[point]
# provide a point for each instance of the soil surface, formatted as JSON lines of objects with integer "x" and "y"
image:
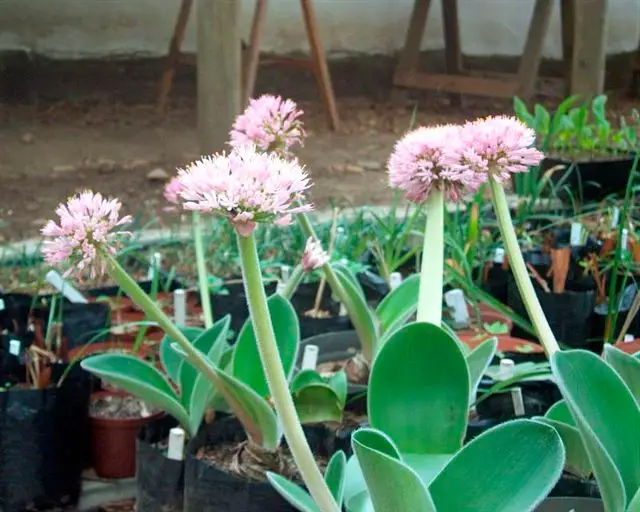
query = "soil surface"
{"x": 93, "y": 124}
{"x": 120, "y": 407}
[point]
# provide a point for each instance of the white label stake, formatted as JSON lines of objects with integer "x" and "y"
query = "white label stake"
{"x": 14, "y": 347}
{"x": 64, "y": 287}
{"x": 154, "y": 265}
{"x": 285, "y": 272}
{"x": 176, "y": 444}
{"x": 498, "y": 255}
{"x": 395, "y": 280}
{"x": 455, "y": 300}
{"x": 518, "y": 402}
{"x": 507, "y": 369}
{"x": 576, "y": 234}
{"x": 180, "y": 307}
{"x": 615, "y": 217}
{"x": 310, "y": 357}
{"x": 628, "y": 338}
{"x": 624, "y": 239}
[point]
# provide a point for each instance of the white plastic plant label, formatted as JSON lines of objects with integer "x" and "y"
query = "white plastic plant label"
{"x": 615, "y": 217}
{"x": 310, "y": 357}
{"x": 498, "y": 255}
{"x": 576, "y": 234}
{"x": 624, "y": 239}
{"x": 180, "y": 307}
{"x": 64, "y": 287}
{"x": 507, "y": 369}
{"x": 517, "y": 401}
{"x": 14, "y": 347}
{"x": 459, "y": 311}
{"x": 285, "y": 272}
{"x": 280, "y": 287}
{"x": 628, "y": 338}
{"x": 395, "y": 280}
{"x": 175, "y": 451}
{"x": 343, "y": 310}
{"x": 155, "y": 263}
{"x": 2, "y": 305}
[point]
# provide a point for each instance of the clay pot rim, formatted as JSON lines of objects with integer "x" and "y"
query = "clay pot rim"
{"x": 114, "y": 423}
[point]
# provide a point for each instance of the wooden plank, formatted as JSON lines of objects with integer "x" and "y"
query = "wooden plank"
{"x": 460, "y": 84}
{"x": 252, "y": 60}
{"x": 410, "y": 54}
{"x": 219, "y": 75}
{"x": 452, "y": 43}
{"x": 567, "y": 16}
{"x": 532, "y": 55}
{"x": 589, "y": 48}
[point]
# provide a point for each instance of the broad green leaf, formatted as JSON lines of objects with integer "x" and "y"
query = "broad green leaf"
{"x": 360, "y": 314}
{"x": 607, "y": 416}
{"x": 520, "y": 108}
{"x": 316, "y": 403}
{"x": 392, "y": 485}
{"x": 348, "y": 274}
{"x": 339, "y": 383}
{"x": 171, "y": 360}
{"x": 139, "y": 378}
{"x": 399, "y": 304}
{"x": 419, "y": 390}
{"x": 305, "y": 378}
{"x": 512, "y": 467}
{"x": 293, "y": 493}
{"x": 246, "y": 363}
{"x": 634, "y": 504}
{"x": 478, "y": 361}
{"x": 627, "y": 367}
{"x": 577, "y": 459}
{"x": 334, "y": 476}
{"x": 560, "y": 412}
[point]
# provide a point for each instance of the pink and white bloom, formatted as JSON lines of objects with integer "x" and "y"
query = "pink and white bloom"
{"x": 246, "y": 186}
{"x": 314, "y": 255}
{"x": 87, "y": 227}
{"x": 271, "y": 123}
{"x": 172, "y": 190}
{"x": 419, "y": 162}
{"x": 497, "y": 146}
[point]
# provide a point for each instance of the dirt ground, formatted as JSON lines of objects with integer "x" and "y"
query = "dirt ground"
{"x": 75, "y": 125}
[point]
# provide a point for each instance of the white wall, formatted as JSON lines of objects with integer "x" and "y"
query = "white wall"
{"x": 95, "y": 28}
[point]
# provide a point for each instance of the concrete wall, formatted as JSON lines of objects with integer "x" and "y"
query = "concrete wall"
{"x": 97, "y": 28}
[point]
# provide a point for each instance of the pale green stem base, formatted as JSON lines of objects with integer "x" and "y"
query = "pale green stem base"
{"x": 293, "y": 282}
{"x": 519, "y": 269}
{"x": 276, "y": 378}
{"x": 203, "y": 281}
{"x": 432, "y": 270}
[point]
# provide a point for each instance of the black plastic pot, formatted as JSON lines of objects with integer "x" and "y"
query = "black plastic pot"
{"x": 146, "y": 285}
{"x": 571, "y": 486}
{"x": 610, "y": 175}
{"x": 208, "y": 489}
{"x": 336, "y": 346}
{"x": 496, "y": 283}
{"x": 160, "y": 480}
{"x": 538, "y": 397}
{"x": 304, "y": 300}
{"x": 568, "y": 313}
{"x": 571, "y": 505}
{"x": 374, "y": 286}
{"x": 43, "y": 445}
{"x": 14, "y": 313}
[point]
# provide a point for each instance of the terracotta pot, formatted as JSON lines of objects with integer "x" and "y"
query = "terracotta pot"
{"x": 630, "y": 347}
{"x": 107, "y": 346}
{"x": 507, "y": 344}
{"x": 113, "y": 441}
{"x": 489, "y": 315}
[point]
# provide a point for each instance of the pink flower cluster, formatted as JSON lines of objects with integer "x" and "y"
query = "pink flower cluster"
{"x": 87, "y": 224}
{"x": 458, "y": 159}
{"x": 271, "y": 123}
{"x": 314, "y": 255}
{"x": 247, "y": 186}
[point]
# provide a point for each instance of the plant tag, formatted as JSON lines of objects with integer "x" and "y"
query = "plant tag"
{"x": 180, "y": 307}
{"x": 628, "y": 338}
{"x": 285, "y": 272}
{"x": 64, "y": 287}
{"x": 14, "y": 347}
{"x": 507, "y": 369}
{"x": 310, "y": 357}
{"x": 280, "y": 287}
{"x": 395, "y": 280}
{"x": 1, "y": 304}
{"x": 517, "y": 401}
{"x": 615, "y": 217}
{"x": 498, "y": 255}
{"x": 455, "y": 300}
{"x": 576, "y": 234}
{"x": 154, "y": 264}
{"x": 624, "y": 239}
{"x": 175, "y": 451}
{"x": 343, "y": 310}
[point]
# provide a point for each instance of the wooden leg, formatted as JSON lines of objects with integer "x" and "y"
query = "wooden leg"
{"x": 252, "y": 60}
{"x": 411, "y": 50}
{"x": 567, "y": 15}
{"x": 321, "y": 68}
{"x": 532, "y": 55}
{"x": 588, "y": 66}
{"x": 452, "y": 44}
{"x": 173, "y": 59}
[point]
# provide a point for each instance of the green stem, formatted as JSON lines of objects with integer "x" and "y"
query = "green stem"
{"x": 203, "y": 281}
{"x": 276, "y": 378}
{"x": 432, "y": 270}
{"x": 293, "y": 282}
{"x": 519, "y": 269}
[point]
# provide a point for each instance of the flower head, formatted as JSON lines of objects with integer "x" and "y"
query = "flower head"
{"x": 418, "y": 163}
{"x": 496, "y": 146}
{"x": 86, "y": 228}
{"x": 172, "y": 190}
{"x": 269, "y": 122}
{"x": 314, "y": 255}
{"x": 246, "y": 186}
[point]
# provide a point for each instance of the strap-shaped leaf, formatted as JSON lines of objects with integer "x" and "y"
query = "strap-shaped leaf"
{"x": 398, "y": 306}
{"x": 511, "y": 467}
{"x": 419, "y": 390}
{"x": 139, "y": 378}
{"x": 318, "y": 399}
{"x": 169, "y": 358}
{"x": 478, "y": 360}
{"x": 360, "y": 315}
{"x": 246, "y": 364}
{"x": 627, "y": 366}
{"x": 334, "y": 476}
{"x": 577, "y": 458}
{"x": 560, "y": 412}
{"x": 348, "y": 273}
{"x": 607, "y": 416}
{"x": 392, "y": 485}
{"x": 293, "y": 493}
